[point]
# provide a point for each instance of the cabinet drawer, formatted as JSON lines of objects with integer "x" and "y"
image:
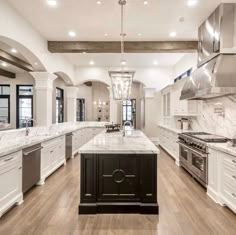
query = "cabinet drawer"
{"x": 229, "y": 190}
{"x": 54, "y": 142}
{"x": 10, "y": 159}
{"x": 229, "y": 162}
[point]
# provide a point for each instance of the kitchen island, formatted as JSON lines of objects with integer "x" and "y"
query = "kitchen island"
{"x": 118, "y": 174}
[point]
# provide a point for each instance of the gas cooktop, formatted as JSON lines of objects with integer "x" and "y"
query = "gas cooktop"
{"x": 206, "y": 137}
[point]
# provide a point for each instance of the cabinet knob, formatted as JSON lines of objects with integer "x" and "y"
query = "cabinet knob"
{"x": 20, "y": 168}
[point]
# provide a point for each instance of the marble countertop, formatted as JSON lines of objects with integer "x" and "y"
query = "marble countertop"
{"x": 175, "y": 130}
{"x": 135, "y": 142}
{"x": 223, "y": 147}
{"x": 20, "y": 142}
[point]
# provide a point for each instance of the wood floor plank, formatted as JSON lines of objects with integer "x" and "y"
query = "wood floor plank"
{"x": 184, "y": 209}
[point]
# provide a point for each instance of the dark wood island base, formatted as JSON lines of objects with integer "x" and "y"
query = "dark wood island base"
{"x": 118, "y": 183}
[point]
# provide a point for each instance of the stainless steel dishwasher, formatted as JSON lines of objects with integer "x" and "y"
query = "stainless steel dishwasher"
{"x": 69, "y": 145}
{"x": 31, "y": 166}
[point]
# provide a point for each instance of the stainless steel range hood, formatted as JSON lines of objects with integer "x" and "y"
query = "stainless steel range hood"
{"x": 213, "y": 79}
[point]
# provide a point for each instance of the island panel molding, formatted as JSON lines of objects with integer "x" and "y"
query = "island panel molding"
{"x": 10, "y": 59}
{"x": 129, "y": 47}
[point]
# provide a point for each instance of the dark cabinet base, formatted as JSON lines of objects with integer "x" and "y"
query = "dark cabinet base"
{"x": 118, "y": 183}
{"x": 119, "y": 208}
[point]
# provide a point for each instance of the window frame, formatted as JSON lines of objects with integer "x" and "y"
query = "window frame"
{"x": 8, "y": 97}
{"x": 133, "y": 119}
{"x": 18, "y": 97}
{"x": 81, "y": 116}
{"x": 61, "y": 98}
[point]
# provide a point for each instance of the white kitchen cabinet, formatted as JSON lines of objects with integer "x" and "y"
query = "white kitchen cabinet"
{"x": 183, "y": 107}
{"x": 82, "y": 136}
{"x": 52, "y": 157}
{"x": 168, "y": 140}
{"x": 166, "y": 101}
{"x": 10, "y": 181}
{"x": 222, "y": 178}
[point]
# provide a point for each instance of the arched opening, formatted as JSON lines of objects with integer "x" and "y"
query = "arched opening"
{"x": 68, "y": 81}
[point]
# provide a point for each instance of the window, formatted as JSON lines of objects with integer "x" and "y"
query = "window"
{"x": 129, "y": 111}
{"x": 5, "y": 103}
{"x": 59, "y": 105}
{"x": 185, "y": 74}
{"x": 24, "y": 104}
{"x": 80, "y": 110}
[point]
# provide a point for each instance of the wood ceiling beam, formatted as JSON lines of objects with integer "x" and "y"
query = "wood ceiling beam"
{"x": 7, "y": 74}
{"x": 114, "y": 46}
{"x": 10, "y": 59}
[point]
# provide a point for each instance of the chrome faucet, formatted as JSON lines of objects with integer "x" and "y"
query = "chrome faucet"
{"x": 27, "y": 121}
{"x": 124, "y": 126}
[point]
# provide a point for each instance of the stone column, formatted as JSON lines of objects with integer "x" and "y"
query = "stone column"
{"x": 71, "y": 103}
{"x": 113, "y": 107}
{"x": 43, "y": 97}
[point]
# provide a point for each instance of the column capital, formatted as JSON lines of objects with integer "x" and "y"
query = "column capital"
{"x": 43, "y": 80}
{"x": 72, "y": 91}
{"x": 149, "y": 92}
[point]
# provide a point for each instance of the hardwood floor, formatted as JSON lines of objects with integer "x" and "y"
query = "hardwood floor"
{"x": 184, "y": 209}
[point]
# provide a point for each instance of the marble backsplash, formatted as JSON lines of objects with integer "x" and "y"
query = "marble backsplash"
{"x": 212, "y": 122}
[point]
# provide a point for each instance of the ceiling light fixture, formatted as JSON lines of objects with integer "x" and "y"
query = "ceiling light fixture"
{"x": 145, "y": 2}
{"x": 84, "y": 52}
{"x": 192, "y": 3}
{"x": 52, "y": 3}
{"x": 72, "y": 34}
{"x": 4, "y": 64}
{"x": 99, "y": 2}
{"x": 105, "y": 34}
{"x": 121, "y": 81}
{"x": 91, "y": 62}
{"x": 13, "y": 50}
{"x": 155, "y": 62}
{"x": 173, "y": 34}
{"x": 139, "y": 34}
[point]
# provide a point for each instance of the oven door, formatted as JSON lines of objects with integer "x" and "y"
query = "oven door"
{"x": 198, "y": 165}
{"x": 184, "y": 156}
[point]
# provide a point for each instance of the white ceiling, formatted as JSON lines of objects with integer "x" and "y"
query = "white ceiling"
{"x": 132, "y": 60}
{"x": 91, "y": 21}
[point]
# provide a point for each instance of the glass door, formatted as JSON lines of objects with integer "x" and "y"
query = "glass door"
{"x": 24, "y": 105}
{"x": 80, "y": 110}
{"x": 4, "y": 104}
{"x": 129, "y": 111}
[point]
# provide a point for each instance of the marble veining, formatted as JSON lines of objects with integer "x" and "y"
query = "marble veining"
{"x": 134, "y": 142}
{"x": 211, "y": 122}
{"x": 15, "y": 140}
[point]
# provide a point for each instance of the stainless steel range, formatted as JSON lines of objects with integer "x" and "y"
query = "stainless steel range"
{"x": 193, "y": 153}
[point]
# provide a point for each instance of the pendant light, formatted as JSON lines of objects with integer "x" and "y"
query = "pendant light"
{"x": 121, "y": 81}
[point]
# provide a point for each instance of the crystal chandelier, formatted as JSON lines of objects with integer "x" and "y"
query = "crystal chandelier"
{"x": 121, "y": 81}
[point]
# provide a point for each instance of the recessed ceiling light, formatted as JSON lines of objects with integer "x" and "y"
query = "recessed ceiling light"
{"x": 84, "y": 52}
{"x": 4, "y": 64}
{"x": 145, "y": 2}
{"x": 13, "y": 50}
{"x": 52, "y": 3}
{"x": 91, "y": 62}
{"x": 139, "y": 34}
{"x": 123, "y": 62}
{"x": 35, "y": 63}
{"x": 155, "y": 62}
{"x": 72, "y": 34}
{"x": 173, "y": 34}
{"x": 99, "y": 2}
{"x": 105, "y": 34}
{"x": 192, "y": 3}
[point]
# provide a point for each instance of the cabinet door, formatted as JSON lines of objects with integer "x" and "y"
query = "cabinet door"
{"x": 148, "y": 178}
{"x": 164, "y": 105}
{"x": 168, "y": 104}
{"x": 10, "y": 181}
{"x": 45, "y": 161}
{"x": 88, "y": 178}
{"x": 118, "y": 178}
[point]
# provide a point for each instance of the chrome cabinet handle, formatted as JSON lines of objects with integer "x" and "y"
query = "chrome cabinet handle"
{"x": 20, "y": 168}
{"x": 234, "y": 195}
{"x": 51, "y": 151}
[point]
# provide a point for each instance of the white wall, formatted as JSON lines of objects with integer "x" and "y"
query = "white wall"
{"x": 185, "y": 63}
{"x": 156, "y": 77}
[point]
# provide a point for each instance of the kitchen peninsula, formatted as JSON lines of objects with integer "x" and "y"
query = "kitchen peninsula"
{"x": 119, "y": 174}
